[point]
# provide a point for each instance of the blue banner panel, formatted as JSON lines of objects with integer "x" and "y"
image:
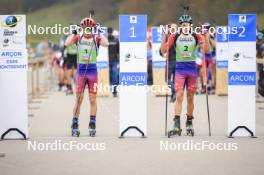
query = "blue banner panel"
{"x": 242, "y": 27}
{"x": 222, "y": 64}
{"x": 133, "y": 78}
{"x": 242, "y": 78}
{"x": 156, "y": 34}
{"x": 133, "y": 28}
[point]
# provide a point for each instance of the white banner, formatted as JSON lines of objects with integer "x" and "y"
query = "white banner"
{"x": 242, "y": 75}
{"x": 11, "y": 42}
{"x": 13, "y": 77}
{"x": 13, "y": 60}
{"x": 133, "y": 74}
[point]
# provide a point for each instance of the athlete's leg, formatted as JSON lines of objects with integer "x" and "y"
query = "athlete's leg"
{"x": 69, "y": 75}
{"x": 60, "y": 77}
{"x": 114, "y": 77}
{"x": 190, "y": 103}
{"x": 179, "y": 99}
{"x": 213, "y": 70}
{"x": 92, "y": 85}
{"x": 179, "y": 88}
{"x": 191, "y": 88}
{"x": 76, "y": 110}
{"x": 80, "y": 86}
{"x": 93, "y": 104}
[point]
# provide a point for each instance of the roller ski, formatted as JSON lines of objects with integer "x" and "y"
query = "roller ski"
{"x": 75, "y": 127}
{"x": 92, "y": 128}
{"x": 189, "y": 127}
{"x": 69, "y": 92}
{"x": 176, "y": 131}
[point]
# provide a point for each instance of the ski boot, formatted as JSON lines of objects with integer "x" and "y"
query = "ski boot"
{"x": 92, "y": 127}
{"x": 173, "y": 98}
{"x": 60, "y": 85}
{"x": 189, "y": 126}
{"x": 75, "y": 127}
{"x": 176, "y": 131}
{"x": 69, "y": 90}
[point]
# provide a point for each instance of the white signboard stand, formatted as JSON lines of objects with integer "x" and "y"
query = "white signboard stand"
{"x": 13, "y": 77}
{"x": 133, "y": 75}
{"x": 242, "y": 75}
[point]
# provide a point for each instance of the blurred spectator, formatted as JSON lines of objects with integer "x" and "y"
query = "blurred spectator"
{"x": 149, "y": 58}
{"x": 260, "y": 67}
{"x": 113, "y": 51}
{"x": 260, "y": 45}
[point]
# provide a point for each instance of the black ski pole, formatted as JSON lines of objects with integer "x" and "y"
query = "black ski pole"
{"x": 167, "y": 82}
{"x": 208, "y": 111}
{"x": 206, "y": 91}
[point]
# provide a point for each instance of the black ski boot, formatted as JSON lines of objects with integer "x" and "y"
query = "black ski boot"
{"x": 173, "y": 98}
{"x": 75, "y": 127}
{"x": 92, "y": 127}
{"x": 69, "y": 90}
{"x": 176, "y": 131}
{"x": 189, "y": 126}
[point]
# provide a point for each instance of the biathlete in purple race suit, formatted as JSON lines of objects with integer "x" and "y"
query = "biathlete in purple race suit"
{"x": 210, "y": 61}
{"x": 184, "y": 44}
{"x": 87, "y": 45}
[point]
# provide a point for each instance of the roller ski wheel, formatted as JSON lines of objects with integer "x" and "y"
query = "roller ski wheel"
{"x": 75, "y": 128}
{"x": 190, "y": 132}
{"x": 92, "y": 129}
{"x": 75, "y": 133}
{"x": 175, "y": 132}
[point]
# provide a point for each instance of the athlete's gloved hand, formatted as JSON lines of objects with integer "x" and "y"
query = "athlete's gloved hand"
{"x": 167, "y": 30}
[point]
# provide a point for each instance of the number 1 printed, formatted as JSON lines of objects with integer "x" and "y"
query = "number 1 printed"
{"x": 133, "y": 32}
